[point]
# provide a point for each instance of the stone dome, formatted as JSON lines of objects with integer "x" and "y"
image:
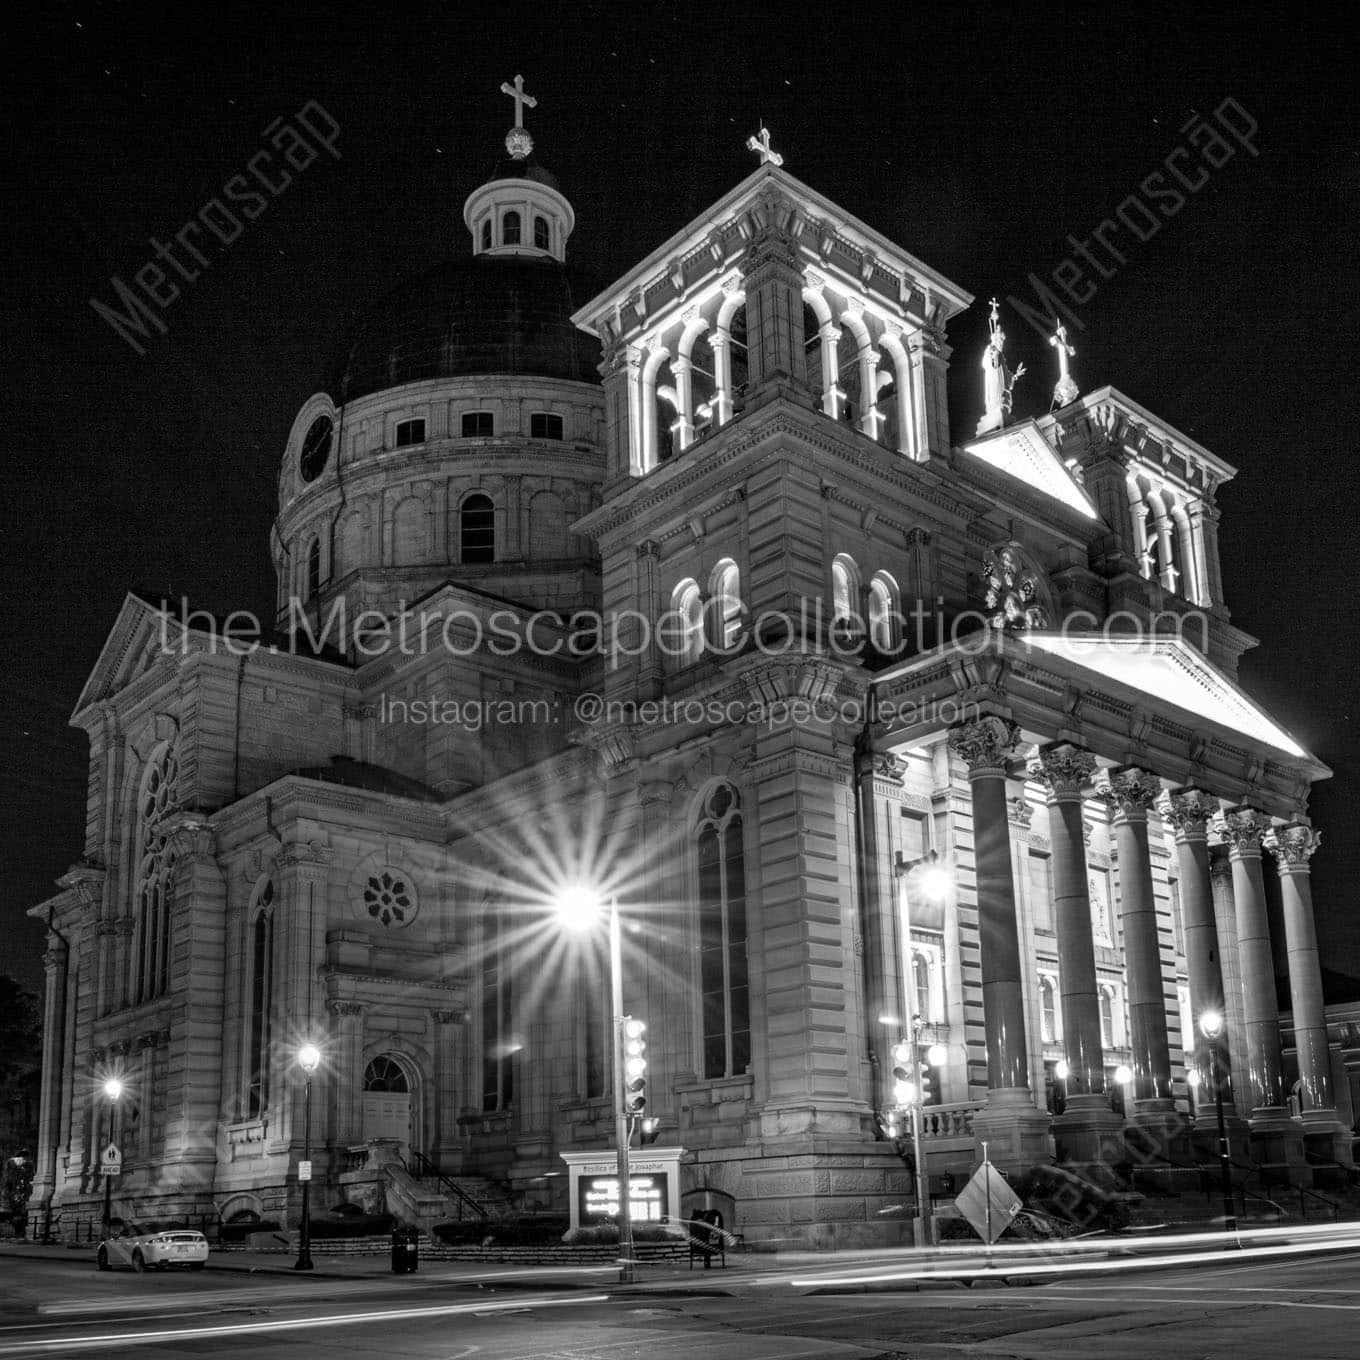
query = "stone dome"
{"x": 489, "y": 313}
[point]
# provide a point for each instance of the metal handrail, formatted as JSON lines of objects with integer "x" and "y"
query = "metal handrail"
{"x": 426, "y": 1169}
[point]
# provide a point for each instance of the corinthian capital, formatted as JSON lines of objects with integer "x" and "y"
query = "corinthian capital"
{"x": 1130, "y": 791}
{"x": 1243, "y": 828}
{"x": 1065, "y": 768}
{"x": 1292, "y": 845}
{"x": 984, "y": 743}
{"x": 1189, "y": 811}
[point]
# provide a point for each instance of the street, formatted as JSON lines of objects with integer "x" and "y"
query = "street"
{"x": 1239, "y": 1309}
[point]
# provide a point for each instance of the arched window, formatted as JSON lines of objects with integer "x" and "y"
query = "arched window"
{"x": 383, "y": 1074}
{"x": 885, "y": 614}
{"x": 498, "y": 1076}
{"x": 725, "y": 602}
{"x": 722, "y": 937}
{"x": 1107, "y": 1036}
{"x": 1048, "y": 1009}
{"x": 845, "y": 602}
{"x": 683, "y": 638}
{"x": 486, "y": 234}
{"x": 155, "y": 868}
{"x": 541, "y": 232}
{"x": 313, "y": 567}
{"x": 510, "y": 229}
{"x": 260, "y": 991}
{"x": 477, "y": 529}
{"x": 920, "y": 986}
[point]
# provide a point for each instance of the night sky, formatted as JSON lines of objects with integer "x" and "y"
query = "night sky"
{"x": 979, "y": 138}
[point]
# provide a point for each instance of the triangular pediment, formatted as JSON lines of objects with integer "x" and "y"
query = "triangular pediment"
{"x": 1022, "y": 452}
{"x": 135, "y": 643}
{"x": 1165, "y": 672}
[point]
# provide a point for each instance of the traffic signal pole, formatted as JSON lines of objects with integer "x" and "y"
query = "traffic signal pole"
{"x": 627, "y": 1257}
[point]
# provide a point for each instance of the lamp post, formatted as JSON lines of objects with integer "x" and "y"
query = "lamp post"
{"x": 934, "y": 884}
{"x": 309, "y": 1059}
{"x": 580, "y": 911}
{"x": 113, "y": 1089}
{"x": 1211, "y": 1024}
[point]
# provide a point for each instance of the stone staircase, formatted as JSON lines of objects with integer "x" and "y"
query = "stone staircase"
{"x": 487, "y": 1195}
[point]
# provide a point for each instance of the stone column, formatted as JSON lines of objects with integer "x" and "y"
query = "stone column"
{"x": 1131, "y": 792}
{"x": 299, "y": 945}
{"x": 49, "y": 1093}
{"x": 878, "y": 780}
{"x": 1189, "y": 812}
{"x": 682, "y": 370}
{"x": 1276, "y": 1138}
{"x": 1233, "y": 1046}
{"x": 774, "y": 313}
{"x": 346, "y": 1063}
{"x": 1011, "y": 1123}
{"x": 929, "y": 400}
{"x": 1293, "y": 846}
{"x": 1083, "y": 1131}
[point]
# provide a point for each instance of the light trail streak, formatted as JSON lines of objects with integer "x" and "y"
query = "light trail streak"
{"x": 151, "y": 1338}
{"x": 1012, "y": 1263}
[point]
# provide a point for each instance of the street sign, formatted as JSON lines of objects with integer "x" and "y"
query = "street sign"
{"x": 111, "y": 1161}
{"x": 988, "y": 1203}
{"x": 304, "y": 1171}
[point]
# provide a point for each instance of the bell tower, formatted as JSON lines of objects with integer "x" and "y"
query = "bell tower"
{"x": 519, "y": 210}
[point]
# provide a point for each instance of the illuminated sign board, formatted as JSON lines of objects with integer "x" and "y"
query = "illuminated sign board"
{"x": 648, "y": 1197}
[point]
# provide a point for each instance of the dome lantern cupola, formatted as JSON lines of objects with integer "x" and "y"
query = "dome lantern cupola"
{"x": 519, "y": 210}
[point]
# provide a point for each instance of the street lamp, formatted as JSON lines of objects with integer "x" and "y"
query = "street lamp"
{"x": 934, "y": 881}
{"x": 309, "y": 1059}
{"x": 113, "y": 1089}
{"x": 1211, "y": 1024}
{"x": 580, "y": 910}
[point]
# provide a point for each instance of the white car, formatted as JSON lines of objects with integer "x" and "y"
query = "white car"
{"x": 142, "y": 1246}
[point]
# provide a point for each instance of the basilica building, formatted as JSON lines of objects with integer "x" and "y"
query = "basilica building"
{"x": 688, "y": 593}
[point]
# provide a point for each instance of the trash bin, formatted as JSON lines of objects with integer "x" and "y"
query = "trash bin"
{"x": 405, "y": 1250}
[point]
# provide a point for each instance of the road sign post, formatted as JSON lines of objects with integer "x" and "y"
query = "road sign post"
{"x": 988, "y": 1202}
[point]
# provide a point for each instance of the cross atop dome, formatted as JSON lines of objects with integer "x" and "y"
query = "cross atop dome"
{"x": 517, "y": 141}
{"x": 760, "y": 144}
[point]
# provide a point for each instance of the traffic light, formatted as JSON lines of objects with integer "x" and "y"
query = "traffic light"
{"x": 927, "y": 1083}
{"x": 634, "y": 1068}
{"x": 904, "y": 1063}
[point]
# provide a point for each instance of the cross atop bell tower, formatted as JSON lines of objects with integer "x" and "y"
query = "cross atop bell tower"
{"x": 519, "y": 210}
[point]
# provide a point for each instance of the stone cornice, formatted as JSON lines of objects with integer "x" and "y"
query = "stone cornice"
{"x": 290, "y": 792}
{"x": 385, "y": 472}
{"x": 627, "y": 511}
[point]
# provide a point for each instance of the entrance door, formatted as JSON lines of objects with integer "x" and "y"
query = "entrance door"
{"x": 387, "y": 1103}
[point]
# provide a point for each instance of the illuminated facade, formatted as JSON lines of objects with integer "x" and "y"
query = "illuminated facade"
{"x": 699, "y": 602}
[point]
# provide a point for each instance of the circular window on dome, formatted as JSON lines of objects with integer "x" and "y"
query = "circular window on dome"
{"x": 316, "y": 449}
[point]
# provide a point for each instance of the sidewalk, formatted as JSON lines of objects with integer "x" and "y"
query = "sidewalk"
{"x": 591, "y": 1275}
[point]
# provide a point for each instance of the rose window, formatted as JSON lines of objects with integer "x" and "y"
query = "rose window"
{"x": 388, "y": 899}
